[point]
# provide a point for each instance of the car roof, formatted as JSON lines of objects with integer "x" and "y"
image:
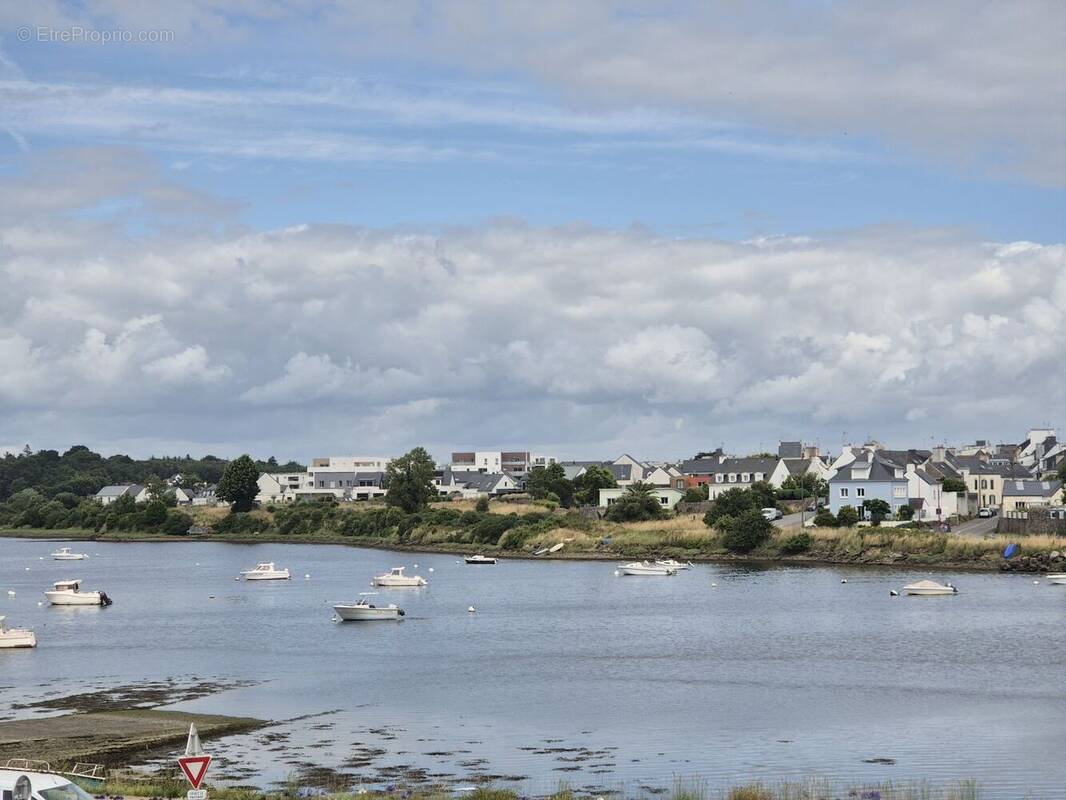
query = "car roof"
{"x": 38, "y": 780}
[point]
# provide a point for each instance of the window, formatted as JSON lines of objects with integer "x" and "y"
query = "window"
{"x": 991, "y": 499}
{"x": 719, "y": 478}
{"x": 732, "y": 477}
{"x": 758, "y": 476}
{"x": 975, "y": 484}
{"x": 843, "y": 491}
{"x": 745, "y": 477}
{"x": 860, "y": 492}
{"x": 899, "y": 491}
{"x": 984, "y": 484}
{"x": 664, "y": 500}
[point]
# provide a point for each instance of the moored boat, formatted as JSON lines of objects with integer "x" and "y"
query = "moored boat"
{"x": 69, "y": 593}
{"x": 395, "y": 577}
{"x": 929, "y": 588}
{"x": 64, "y": 554}
{"x": 1057, "y": 578}
{"x": 265, "y": 571}
{"x": 671, "y": 563}
{"x": 645, "y": 568}
{"x": 15, "y": 637}
{"x": 365, "y": 611}
{"x": 480, "y": 559}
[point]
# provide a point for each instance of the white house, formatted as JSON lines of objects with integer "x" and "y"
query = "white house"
{"x": 516, "y": 463}
{"x": 721, "y": 473}
{"x": 926, "y": 495}
{"x": 470, "y": 485}
{"x": 280, "y": 487}
{"x": 669, "y": 476}
{"x": 667, "y": 497}
{"x": 109, "y": 494}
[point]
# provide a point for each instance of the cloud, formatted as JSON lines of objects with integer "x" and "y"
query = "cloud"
{"x": 317, "y": 337}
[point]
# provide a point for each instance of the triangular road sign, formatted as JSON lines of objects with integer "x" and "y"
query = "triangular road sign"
{"x": 195, "y": 768}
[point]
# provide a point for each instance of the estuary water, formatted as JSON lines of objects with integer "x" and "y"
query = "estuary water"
{"x": 566, "y": 672}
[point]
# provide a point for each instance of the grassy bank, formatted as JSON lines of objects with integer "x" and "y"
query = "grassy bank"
{"x": 813, "y": 789}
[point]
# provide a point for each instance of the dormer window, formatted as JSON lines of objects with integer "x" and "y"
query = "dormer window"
{"x": 732, "y": 477}
{"x": 745, "y": 477}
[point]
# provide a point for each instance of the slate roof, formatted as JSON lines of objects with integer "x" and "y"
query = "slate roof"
{"x": 117, "y": 490}
{"x": 1030, "y": 488}
{"x": 710, "y": 466}
{"x": 790, "y": 449}
{"x": 905, "y": 457}
{"x": 881, "y": 469}
{"x": 481, "y": 481}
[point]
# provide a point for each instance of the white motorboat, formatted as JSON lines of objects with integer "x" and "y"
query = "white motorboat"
{"x": 672, "y": 563}
{"x": 15, "y": 637}
{"x": 1057, "y": 577}
{"x": 929, "y": 588}
{"x": 69, "y": 593}
{"x": 480, "y": 559}
{"x": 645, "y": 568}
{"x": 64, "y": 554}
{"x": 365, "y": 611}
{"x": 395, "y": 577}
{"x": 265, "y": 571}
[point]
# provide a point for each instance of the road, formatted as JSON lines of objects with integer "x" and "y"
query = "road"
{"x": 792, "y": 520}
{"x": 977, "y": 526}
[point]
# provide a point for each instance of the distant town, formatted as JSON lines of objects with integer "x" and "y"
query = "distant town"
{"x": 930, "y": 485}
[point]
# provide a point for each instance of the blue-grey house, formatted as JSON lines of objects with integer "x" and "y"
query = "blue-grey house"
{"x": 868, "y": 477}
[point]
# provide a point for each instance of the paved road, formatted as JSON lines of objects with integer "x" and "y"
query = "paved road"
{"x": 977, "y": 526}
{"x": 792, "y": 520}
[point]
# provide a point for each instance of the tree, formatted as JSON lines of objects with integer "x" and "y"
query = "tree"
{"x": 1061, "y": 474}
{"x": 905, "y": 512}
{"x": 155, "y": 512}
{"x": 482, "y": 505}
{"x": 696, "y": 494}
{"x": 551, "y": 480}
{"x": 409, "y": 481}
{"x": 878, "y": 509}
{"x": 637, "y": 504}
{"x": 747, "y": 532}
{"x": 239, "y": 483}
{"x": 732, "y": 502}
{"x": 953, "y": 485}
{"x": 589, "y": 483}
{"x": 847, "y": 517}
{"x": 764, "y": 493}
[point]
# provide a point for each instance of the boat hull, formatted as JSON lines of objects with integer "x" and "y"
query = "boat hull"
{"x": 17, "y": 638}
{"x": 357, "y": 613}
{"x": 476, "y": 562}
{"x": 69, "y": 557}
{"x": 1058, "y": 578}
{"x": 398, "y": 582}
{"x": 74, "y": 599}
{"x": 660, "y": 572}
{"x": 929, "y": 592}
{"x": 267, "y": 576}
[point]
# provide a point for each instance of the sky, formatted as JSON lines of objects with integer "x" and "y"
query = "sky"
{"x": 300, "y": 228}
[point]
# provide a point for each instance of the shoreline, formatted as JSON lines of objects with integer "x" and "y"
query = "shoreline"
{"x": 906, "y": 563}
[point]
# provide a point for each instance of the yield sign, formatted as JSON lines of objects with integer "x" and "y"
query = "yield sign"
{"x": 195, "y": 768}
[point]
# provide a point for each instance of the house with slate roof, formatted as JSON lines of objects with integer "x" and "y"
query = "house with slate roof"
{"x": 868, "y": 477}
{"x": 1021, "y": 495}
{"x": 109, "y": 494}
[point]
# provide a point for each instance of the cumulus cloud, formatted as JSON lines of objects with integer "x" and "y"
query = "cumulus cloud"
{"x": 313, "y": 338}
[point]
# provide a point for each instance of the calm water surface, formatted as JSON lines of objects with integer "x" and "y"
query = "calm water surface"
{"x": 566, "y": 672}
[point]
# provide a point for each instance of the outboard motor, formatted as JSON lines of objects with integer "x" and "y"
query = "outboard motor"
{"x": 105, "y": 601}
{"x": 401, "y": 612}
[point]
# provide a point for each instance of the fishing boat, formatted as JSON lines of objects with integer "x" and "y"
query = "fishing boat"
{"x": 64, "y": 554}
{"x": 645, "y": 568}
{"x": 929, "y": 588}
{"x": 365, "y": 611}
{"x": 480, "y": 559}
{"x": 672, "y": 563}
{"x": 395, "y": 577}
{"x": 15, "y": 637}
{"x": 69, "y": 593}
{"x": 1057, "y": 577}
{"x": 265, "y": 571}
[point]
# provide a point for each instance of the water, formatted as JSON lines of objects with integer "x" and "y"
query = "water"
{"x": 567, "y": 672}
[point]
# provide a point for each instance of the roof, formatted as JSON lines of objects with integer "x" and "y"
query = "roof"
{"x": 925, "y": 476}
{"x": 117, "y": 490}
{"x": 904, "y": 457}
{"x": 1030, "y": 488}
{"x": 880, "y": 469}
{"x": 798, "y": 466}
{"x": 790, "y": 449}
{"x": 711, "y": 466}
{"x": 481, "y": 481}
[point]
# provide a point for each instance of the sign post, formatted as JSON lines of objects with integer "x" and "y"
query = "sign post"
{"x": 194, "y": 765}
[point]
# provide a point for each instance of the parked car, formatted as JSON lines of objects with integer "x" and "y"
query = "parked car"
{"x": 772, "y": 514}
{"x": 985, "y": 513}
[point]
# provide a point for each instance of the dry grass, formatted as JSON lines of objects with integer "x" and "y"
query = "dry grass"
{"x": 495, "y": 507}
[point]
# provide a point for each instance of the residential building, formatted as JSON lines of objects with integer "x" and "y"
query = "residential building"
{"x": 344, "y": 477}
{"x": 1049, "y": 463}
{"x": 926, "y": 495}
{"x": 281, "y": 487}
{"x": 720, "y": 473}
{"x": 1021, "y": 495}
{"x": 109, "y": 494}
{"x": 1036, "y": 444}
{"x": 867, "y": 477}
{"x": 516, "y": 463}
{"x": 470, "y": 484}
{"x": 668, "y": 497}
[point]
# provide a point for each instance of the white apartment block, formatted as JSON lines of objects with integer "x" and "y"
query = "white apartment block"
{"x": 516, "y": 463}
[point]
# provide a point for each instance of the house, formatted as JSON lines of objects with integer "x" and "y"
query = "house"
{"x": 109, "y": 494}
{"x": 516, "y": 463}
{"x": 720, "y": 473}
{"x": 668, "y": 497}
{"x": 1049, "y": 463}
{"x": 668, "y": 475}
{"x": 985, "y": 479}
{"x": 1020, "y": 495}
{"x": 207, "y": 497}
{"x": 470, "y": 485}
{"x": 927, "y": 496}
{"x": 868, "y": 477}
{"x": 281, "y": 487}
{"x": 1036, "y": 444}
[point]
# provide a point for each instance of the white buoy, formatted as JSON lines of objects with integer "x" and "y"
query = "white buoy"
{"x": 1036, "y": 583}
{"x": 40, "y": 603}
{"x": 307, "y": 576}
{"x": 10, "y": 592}
{"x": 431, "y": 569}
{"x": 27, "y": 569}
{"x": 471, "y": 610}
{"x": 893, "y": 593}
{"x": 714, "y": 585}
{"x": 843, "y": 580}
{"x": 617, "y": 573}
{"x": 416, "y": 566}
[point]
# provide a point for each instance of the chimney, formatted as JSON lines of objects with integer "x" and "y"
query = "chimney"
{"x": 939, "y": 454}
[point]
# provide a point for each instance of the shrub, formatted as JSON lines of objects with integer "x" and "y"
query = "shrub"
{"x": 177, "y": 523}
{"x": 905, "y": 512}
{"x": 747, "y": 532}
{"x": 797, "y": 543}
{"x": 695, "y": 494}
{"x": 847, "y": 517}
{"x": 492, "y": 527}
{"x": 155, "y": 513}
{"x": 241, "y": 522}
{"x": 825, "y": 519}
{"x": 732, "y": 503}
{"x": 482, "y": 505}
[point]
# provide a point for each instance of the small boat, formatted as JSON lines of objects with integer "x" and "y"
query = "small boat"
{"x": 64, "y": 554}
{"x": 15, "y": 637}
{"x": 673, "y": 563}
{"x": 69, "y": 593}
{"x": 395, "y": 577}
{"x": 1057, "y": 577}
{"x": 928, "y": 588}
{"x": 555, "y": 548}
{"x": 645, "y": 568}
{"x": 265, "y": 571}
{"x": 542, "y": 551}
{"x": 480, "y": 559}
{"x": 364, "y": 610}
